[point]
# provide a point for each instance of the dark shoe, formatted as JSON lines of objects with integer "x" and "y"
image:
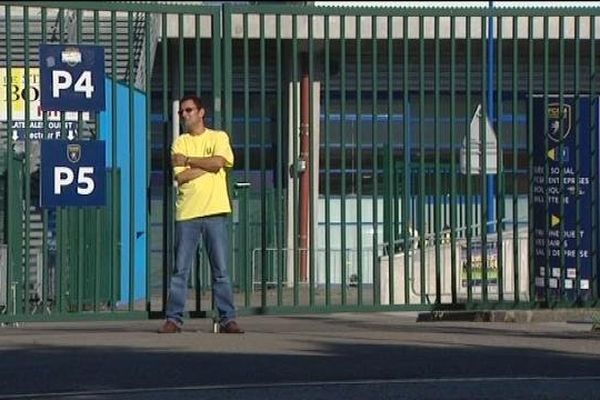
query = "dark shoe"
{"x": 169, "y": 327}
{"x": 230, "y": 327}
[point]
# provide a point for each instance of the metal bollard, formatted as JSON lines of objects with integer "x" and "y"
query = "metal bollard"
{"x": 13, "y": 290}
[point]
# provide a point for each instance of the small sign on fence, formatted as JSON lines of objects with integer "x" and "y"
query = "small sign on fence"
{"x": 73, "y": 173}
{"x": 72, "y": 78}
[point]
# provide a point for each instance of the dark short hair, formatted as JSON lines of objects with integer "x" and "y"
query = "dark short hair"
{"x": 193, "y": 98}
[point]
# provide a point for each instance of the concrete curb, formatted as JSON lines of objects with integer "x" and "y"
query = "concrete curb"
{"x": 588, "y": 315}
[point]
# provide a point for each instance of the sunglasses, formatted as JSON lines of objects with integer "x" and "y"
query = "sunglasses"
{"x": 187, "y": 110}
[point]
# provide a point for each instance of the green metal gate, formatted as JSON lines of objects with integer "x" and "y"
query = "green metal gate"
{"x": 111, "y": 261}
{"x": 415, "y": 203}
{"x": 367, "y": 176}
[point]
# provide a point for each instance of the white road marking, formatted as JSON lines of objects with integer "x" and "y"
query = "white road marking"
{"x": 298, "y": 384}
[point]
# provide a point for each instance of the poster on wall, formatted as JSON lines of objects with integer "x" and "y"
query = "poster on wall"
{"x": 14, "y": 97}
{"x": 476, "y": 267}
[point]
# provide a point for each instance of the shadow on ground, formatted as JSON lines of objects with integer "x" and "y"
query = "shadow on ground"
{"x": 47, "y": 369}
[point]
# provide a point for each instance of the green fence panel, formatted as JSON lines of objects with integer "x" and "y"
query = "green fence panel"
{"x": 384, "y": 157}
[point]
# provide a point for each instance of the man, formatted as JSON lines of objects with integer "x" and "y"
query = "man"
{"x": 199, "y": 158}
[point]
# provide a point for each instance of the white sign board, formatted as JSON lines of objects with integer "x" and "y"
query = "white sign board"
{"x": 476, "y": 147}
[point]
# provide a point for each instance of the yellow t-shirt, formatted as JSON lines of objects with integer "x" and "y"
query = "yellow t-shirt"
{"x": 207, "y": 194}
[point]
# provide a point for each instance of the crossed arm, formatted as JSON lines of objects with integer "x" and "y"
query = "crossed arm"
{"x": 198, "y": 166}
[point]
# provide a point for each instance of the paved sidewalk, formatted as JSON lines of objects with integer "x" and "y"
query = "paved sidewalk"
{"x": 326, "y": 356}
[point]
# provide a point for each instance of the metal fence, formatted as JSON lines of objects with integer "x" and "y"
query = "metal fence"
{"x": 385, "y": 158}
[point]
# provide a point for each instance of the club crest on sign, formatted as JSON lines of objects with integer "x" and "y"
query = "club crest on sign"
{"x": 74, "y": 152}
{"x": 71, "y": 56}
{"x": 559, "y": 122}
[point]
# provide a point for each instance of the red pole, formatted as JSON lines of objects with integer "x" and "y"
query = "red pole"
{"x": 304, "y": 176}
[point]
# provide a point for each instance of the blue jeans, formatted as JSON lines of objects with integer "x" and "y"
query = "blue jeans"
{"x": 213, "y": 229}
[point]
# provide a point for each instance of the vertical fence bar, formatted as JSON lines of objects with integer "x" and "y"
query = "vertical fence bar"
{"x": 115, "y": 234}
{"x": 343, "y": 261}
{"x": 453, "y": 200}
{"x": 499, "y": 162}
{"x": 60, "y": 260}
{"x": 281, "y": 255}
{"x": 576, "y": 90}
{"x": 407, "y": 152}
{"x": 485, "y": 114}
{"x": 389, "y": 166}
{"x": 180, "y": 90}
{"x": 167, "y": 182}
{"x": 327, "y": 165}
{"x": 530, "y": 90}
{"x": 26, "y": 167}
{"x": 359, "y": 173}
{"x": 593, "y": 156}
{"x": 11, "y": 219}
{"x": 180, "y": 56}
{"x": 45, "y": 215}
{"x": 61, "y": 250}
{"x": 515, "y": 160}
{"x": 436, "y": 145}
{"x": 296, "y": 258}
{"x": 148, "y": 18}
{"x": 217, "y": 76}
{"x": 469, "y": 200}
{"x": 73, "y": 226}
{"x": 561, "y": 103}
{"x": 81, "y": 262}
{"x": 263, "y": 165}
{"x": 546, "y": 69}
{"x": 376, "y": 274}
{"x": 248, "y": 273}
{"x": 311, "y": 163}
{"x": 131, "y": 211}
{"x": 61, "y": 212}
{"x": 98, "y": 230}
{"x": 227, "y": 59}
{"x": 198, "y": 87}
{"x": 113, "y": 257}
{"x": 422, "y": 193}
{"x": 198, "y": 59}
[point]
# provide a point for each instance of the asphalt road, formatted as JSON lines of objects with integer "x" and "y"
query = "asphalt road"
{"x": 340, "y": 356}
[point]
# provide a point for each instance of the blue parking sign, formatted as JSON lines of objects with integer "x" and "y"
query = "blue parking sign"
{"x": 71, "y": 78}
{"x": 73, "y": 173}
